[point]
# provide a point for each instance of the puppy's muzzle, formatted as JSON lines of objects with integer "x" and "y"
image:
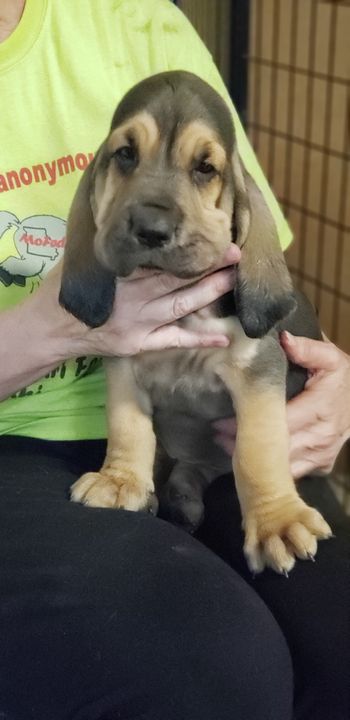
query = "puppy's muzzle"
{"x": 152, "y": 226}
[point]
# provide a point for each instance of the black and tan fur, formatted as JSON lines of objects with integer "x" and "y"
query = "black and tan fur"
{"x": 167, "y": 190}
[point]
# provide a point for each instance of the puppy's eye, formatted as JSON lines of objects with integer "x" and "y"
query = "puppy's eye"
{"x": 204, "y": 171}
{"x": 126, "y": 158}
{"x": 205, "y": 168}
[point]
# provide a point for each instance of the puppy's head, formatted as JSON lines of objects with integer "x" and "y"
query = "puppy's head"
{"x": 161, "y": 193}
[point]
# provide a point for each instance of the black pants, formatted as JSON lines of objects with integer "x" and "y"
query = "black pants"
{"x": 111, "y": 615}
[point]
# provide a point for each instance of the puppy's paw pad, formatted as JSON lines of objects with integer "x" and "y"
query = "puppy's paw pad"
{"x": 113, "y": 489}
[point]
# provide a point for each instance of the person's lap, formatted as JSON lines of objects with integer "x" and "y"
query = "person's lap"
{"x": 312, "y": 605}
{"x": 104, "y": 612}
{"x": 110, "y": 614}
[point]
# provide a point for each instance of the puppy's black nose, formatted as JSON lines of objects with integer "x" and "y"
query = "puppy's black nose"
{"x": 151, "y": 225}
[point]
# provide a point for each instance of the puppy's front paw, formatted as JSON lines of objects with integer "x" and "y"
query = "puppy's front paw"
{"x": 112, "y": 488}
{"x": 278, "y": 532}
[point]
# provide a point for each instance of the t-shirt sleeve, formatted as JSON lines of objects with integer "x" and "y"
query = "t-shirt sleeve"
{"x": 184, "y": 50}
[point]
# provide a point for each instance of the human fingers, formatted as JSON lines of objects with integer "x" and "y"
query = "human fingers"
{"x": 307, "y": 458}
{"x": 226, "y": 442}
{"x": 225, "y": 434}
{"x": 321, "y": 404}
{"x": 173, "y": 336}
{"x": 301, "y": 468}
{"x": 301, "y": 413}
{"x": 226, "y": 425}
{"x": 311, "y": 354}
{"x": 176, "y": 305}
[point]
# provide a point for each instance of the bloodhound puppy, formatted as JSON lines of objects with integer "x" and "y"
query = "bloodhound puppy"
{"x": 167, "y": 190}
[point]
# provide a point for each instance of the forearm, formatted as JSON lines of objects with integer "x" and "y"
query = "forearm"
{"x": 37, "y": 335}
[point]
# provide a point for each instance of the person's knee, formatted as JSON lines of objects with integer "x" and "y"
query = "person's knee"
{"x": 237, "y": 659}
{"x": 144, "y": 617}
{"x": 194, "y": 637}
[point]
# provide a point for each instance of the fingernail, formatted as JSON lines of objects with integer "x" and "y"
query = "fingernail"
{"x": 223, "y": 342}
{"x": 286, "y": 337}
{"x": 232, "y": 254}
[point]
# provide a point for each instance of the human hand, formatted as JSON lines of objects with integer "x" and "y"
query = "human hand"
{"x": 146, "y": 310}
{"x": 319, "y": 418}
{"x": 145, "y": 315}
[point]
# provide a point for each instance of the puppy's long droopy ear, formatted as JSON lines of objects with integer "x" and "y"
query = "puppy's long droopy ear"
{"x": 87, "y": 289}
{"x": 263, "y": 291}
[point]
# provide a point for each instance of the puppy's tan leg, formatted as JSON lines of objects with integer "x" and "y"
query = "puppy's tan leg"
{"x": 126, "y": 477}
{"x": 278, "y": 524}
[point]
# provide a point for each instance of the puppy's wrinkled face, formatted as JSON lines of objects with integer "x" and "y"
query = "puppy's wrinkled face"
{"x": 163, "y": 190}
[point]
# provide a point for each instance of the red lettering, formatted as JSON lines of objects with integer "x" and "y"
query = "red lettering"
{"x": 13, "y": 179}
{"x": 39, "y": 173}
{"x": 26, "y": 176}
{"x": 44, "y": 172}
{"x": 3, "y": 184}
{"x": 81, "y": 161}
{"x": 65, "y": 165}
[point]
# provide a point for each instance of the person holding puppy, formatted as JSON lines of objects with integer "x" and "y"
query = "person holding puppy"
{"x": 106, "y": 613}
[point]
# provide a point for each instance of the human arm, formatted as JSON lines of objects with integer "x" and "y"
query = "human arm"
{"x": 40, "y": 334}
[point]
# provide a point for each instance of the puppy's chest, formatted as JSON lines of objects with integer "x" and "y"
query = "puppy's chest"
{"x": 207, "y": 320}
{"x": 188, "y": 380}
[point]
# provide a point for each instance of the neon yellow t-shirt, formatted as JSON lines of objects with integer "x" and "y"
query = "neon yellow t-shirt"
{"x": 62, "y": 72}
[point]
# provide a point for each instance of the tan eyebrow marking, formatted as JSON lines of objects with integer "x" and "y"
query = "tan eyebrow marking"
{"x": 196, "y": 140}
{"x": 142, "y": 128}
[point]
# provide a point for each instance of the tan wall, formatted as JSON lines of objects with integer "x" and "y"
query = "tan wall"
{"x": 299, "y": 79}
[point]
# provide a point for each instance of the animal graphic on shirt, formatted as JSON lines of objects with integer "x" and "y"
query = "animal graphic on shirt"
{"x": 31, "y": 249}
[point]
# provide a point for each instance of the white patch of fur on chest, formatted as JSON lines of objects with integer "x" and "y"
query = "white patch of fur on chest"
{"x": 242, "y": 349}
